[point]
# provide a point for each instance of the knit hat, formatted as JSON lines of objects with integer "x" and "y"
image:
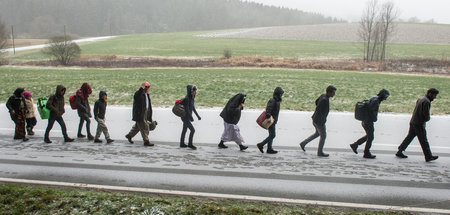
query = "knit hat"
{"x": 27, "y": 95}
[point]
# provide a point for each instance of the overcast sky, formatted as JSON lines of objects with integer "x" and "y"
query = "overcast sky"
{"x": 351, "y": 10}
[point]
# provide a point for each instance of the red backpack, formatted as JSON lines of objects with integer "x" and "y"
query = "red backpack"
{"x": 73, "y": 102}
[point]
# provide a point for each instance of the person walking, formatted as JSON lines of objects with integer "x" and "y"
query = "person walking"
{"x": 319, "y": 118}
{"x": 272, "y": 110}
{"x": 231, "y": 115}
{"x": 189, "y": 107}
{"x": 55, "y": 104}
{"x": 367, "y": 124}
{"x": 84, "y": 109}
{"x": 17, "y": 107}
{"x": 142, "y": 112}
{"x": 99, "y": 115}
{"x": 30, "y": 113}
{"x": 420, "y": 117}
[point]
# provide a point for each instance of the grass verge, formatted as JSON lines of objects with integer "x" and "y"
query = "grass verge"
{"x": 216, "y": 86}
{"x": 26, "y": 199}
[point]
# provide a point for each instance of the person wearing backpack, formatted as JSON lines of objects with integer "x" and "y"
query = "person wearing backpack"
{"x": 99, "y": 114}
{"x": 16, "y": 106}
{"x": 189, "y": 107}
{"x": 420, "y": 117}
{"x": 142, "y": 112}
{"x": 55, "y": 104}
{"x": 319, "y": 118}
{"x": 367, "y": 123}
{"x": 84, "y": 109}
{"x": 231, "y": 115}
{"x": 272, "y": 110}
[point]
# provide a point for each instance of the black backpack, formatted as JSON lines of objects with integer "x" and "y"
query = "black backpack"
{"x": 362, "y": 110}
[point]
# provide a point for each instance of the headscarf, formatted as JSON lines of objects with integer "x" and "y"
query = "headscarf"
{"x": 144, "y": 85}
{"x": 27, "y": 95}
{"x": 84, "y": 91}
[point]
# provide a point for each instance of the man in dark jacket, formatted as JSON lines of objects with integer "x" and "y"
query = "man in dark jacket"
{"x": 189, "y": 107}
{"x": 99, "y": 115}
{"x": 142, "y": 112}
{"x": 272, "y": 110}
{"x": 16, "y": 106}
{"x": 319, "y": 118}
{"x": 367, "y": 124}
{"x": 231, "y": 115}
{"x": 420, "y": 116}
{"x": 56, "y": 106}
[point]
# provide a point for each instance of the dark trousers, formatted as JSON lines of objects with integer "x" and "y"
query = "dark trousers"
{"x": 88, "y": 125}
{"x": 320, "y": 131}
{"x": 31, "y": 122}
{"x": 269, "y": 139}
{"x": 20, "y": 124}
{"x": 51, "y": 121}
{"x": 421, "y": 133}
{"x": 368, "y": 127}
{"x": 187, "y": 124}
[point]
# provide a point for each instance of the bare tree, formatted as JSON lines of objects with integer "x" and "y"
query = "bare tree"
{"x": 367, "y": 26}
{"x": 387, "y": 16}
{"x": 3, "y": 35}
{"x": 62, "y": 48}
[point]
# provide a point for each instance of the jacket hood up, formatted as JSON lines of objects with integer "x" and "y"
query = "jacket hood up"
{"x": 19, "y": 91}
{"x": 189, "y": 89}
{"x": 277, "y": 92}
{"x": 100, "y": 95}
{"x": 383, "y": 94}
{"x": 59, "y": 89}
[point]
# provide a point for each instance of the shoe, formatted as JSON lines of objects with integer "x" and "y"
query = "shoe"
{"x": 182, "y": 145}
{"x": 109, "y": 141}
{"x": 81, "y": 135}
{"x": 90, "y": 137}
{"x": 25, "y": 139}
{"x": 400, "y": 154}
{"x": 148, "y": 143}
{"x": 129, "y": 139}
{"x": 242, "y": 147}
{"x": 46, "y": 140}
{"x": 192, "y": 147}
{"x": 97, "y": 141}
{"x": 322, "y": 154}
{"x": 261, "y": 148}
{"x": 432, "y": 158}
{"x": 369, "y": 156}
{"x": 222, "y": 146}
{"x": 302, "y": 145}
{"x": 354, "y": 148}
{"x": 68, "y": 140}
{"x": 271, "y": 151}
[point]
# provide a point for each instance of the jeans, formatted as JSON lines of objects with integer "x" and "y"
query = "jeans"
{"x": 51, "y": 121}
{"x": 88, "y": 125}
{"x": 320, "y": 131}
{"x": 368, "y": 127}
{"x": 269, "y": 139}
{"x": 187, "y": 124}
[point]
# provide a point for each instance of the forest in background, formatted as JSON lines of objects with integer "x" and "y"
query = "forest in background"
{"x": 46, "y": 18}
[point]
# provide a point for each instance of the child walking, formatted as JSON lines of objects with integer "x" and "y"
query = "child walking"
{"x": 30, "y": 113}
{"x": 99, "y": 114}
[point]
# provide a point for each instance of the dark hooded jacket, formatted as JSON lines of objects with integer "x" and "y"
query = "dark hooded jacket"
{"x": 82, "y": 101}
{"x": 140, "y": 105}
{"x": 421, "y": 113}
{"x": 232, "y": 113}
{"x": 14, "y": 102}
{"x": 189, "y": 104}
{"x": 273, "y": 106}
{"x": 374, "y": 105}
{"x": 56, "y": 102}
{"x": 322, "y": 109}
{"x": 100, "y": 106}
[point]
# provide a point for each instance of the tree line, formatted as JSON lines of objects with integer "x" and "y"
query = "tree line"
{"x": 45, "y": 18}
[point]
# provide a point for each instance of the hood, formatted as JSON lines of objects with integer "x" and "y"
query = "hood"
{"x": 27, "y": 95}
{"x": 19, "y": 91}
{"x": 236, "y": 100}
{"x": 100, "y": 94}
{"x": 189, "y": 89}
{"x": 383, "y": 94}
{"x": 86, "y": 89}
{"x": 277, "y": 92}
{"x": 59, "y": 88}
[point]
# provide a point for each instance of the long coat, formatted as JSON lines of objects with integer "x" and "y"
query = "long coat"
{"x": 140, "y": 105}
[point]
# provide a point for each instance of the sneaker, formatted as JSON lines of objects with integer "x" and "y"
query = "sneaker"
{"x": 322, "y": 154}
{"x": 432, "y": 158}
{"x": 109, "y": 141}
{"x": 242, "y": 147}
{"x": 97, "y": 141}
{"x": 81, "y": 135}
{"x": 354, "y": 148}
{"x": 90, "y": 137}
{"x": 68, "y": 140}
{"x": 182, "y": 145}
{"x": 222, "y": 146}
{"x": 192, "y": 147}
{"x": 261, "y": 148}
{"x": 369, "y": 156}
{"x": 148, "y": 143}
{"x": 129, "y": 139}
{"x": 302, "y": 146}
{"x": 400, "y": 154}
{"x": 271, "y": 151}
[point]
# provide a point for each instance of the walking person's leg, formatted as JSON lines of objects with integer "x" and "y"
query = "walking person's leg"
{"x": 191, "y": 135}
{"x": 80, "y": 127}
{"x": 183, "y": 134}
{"x": 360, "y": 141}
{"x": 423, "y": 140}
{"x": 310, "y": 138}
{"x": 272, "y": 135}
{"x": 369, "y": 131}
{"x": 61, "y": 122}
{"x": 51, "y": 122}
{"x": 406, "y": 142}
{"x": 322, "y": 130}
{"x": 88, "y": 128}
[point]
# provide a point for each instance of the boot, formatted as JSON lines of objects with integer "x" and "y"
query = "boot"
{"x": 80, "y": 135}
{"x": 320, "y": 150}
{"x": 369, "y": 155}
{"x": 242, "y": 147}
{"x": 47, "y": 140}
{"x": 90, "y": 137}
{"x": 148, "y": 143}
{"x": 192, "y": 147}
{"x": 182, "y": 145}
{"x": 129, "y": 138}
{"x": 400, "y": 154}
{"x": 97, "y": 141}
{"x": 261, "y": 148}
{"x": 432, "y": 158}
{"x": 271, "y": 151}
{"x": 354, "y": 148}
{"x": 302, "y": 146}
{"x": 68, "y": 139}
{"x": 222, "y": 146}
{"x": 321, "y": 154}
{"x": 109, "y": 141}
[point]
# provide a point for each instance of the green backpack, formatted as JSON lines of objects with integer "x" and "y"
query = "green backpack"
{"x": 44, "y": 112}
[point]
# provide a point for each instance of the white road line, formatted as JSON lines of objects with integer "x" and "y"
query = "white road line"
{"x": 228, "y": 196}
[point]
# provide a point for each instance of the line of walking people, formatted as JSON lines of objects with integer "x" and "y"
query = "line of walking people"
{"x": 21, "y": 108}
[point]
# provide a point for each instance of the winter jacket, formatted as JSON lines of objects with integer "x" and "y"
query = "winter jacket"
{"x": 82, "y": 101}
{"x": 188, "y": 103}
{"x": 140, "y": 105}
{"x": 322, "y": 109}
{"x": 55, "y": 102}
{"x": 231, "y": 113}
{"x": 100, "y": 106}
{"x": 421, "y": 113}
{"x": 273, "y": 106}
{"x": 15, "y": 102}
{"x": 30, "y": 112}
{"x": 374, "y": 105}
